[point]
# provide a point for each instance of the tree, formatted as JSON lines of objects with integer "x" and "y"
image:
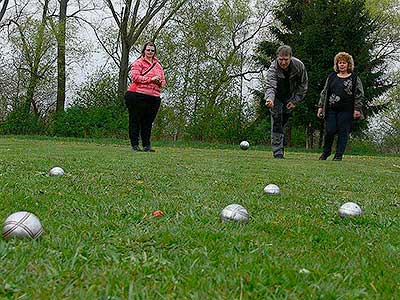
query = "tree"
{"x": 35, "y": 45}
{"x": 317, "y": 30}
{"x": 208, "y": 61}
{"x": 132, "y": 19}
{"x": 61, "y": 82}
{"x": 60, "y": 32}
{"x": 384, "y": 127}
{"x": 386, "y": 37}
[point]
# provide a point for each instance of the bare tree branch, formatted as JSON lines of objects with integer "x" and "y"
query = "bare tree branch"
{"x": 3, "y": 9}
{"x": 168, "y": 18}
{"x": 114, "y": 13}
{"x": 103, "y": 45}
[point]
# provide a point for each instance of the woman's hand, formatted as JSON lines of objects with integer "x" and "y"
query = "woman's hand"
{"x": 156, "y": 79}
{"x": 290, "y": 105}
{"x": 320, "y": 113}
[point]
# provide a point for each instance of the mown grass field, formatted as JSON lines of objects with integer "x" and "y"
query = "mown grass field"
{"x": 101, "y": 242}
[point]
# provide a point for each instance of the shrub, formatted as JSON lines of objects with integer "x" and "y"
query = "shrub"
{"x": 21, "y": 122}
{"x": 96, "y": 112}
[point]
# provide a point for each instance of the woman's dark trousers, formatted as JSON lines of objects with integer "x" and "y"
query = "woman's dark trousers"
{"x": 142, "y": 112}
{"x": 337, "y": 122}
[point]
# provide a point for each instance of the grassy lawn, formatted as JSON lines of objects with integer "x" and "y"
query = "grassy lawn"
{"x": 101, "y": 242}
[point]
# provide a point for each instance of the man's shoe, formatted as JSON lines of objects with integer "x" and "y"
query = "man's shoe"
{"x": 337, "y": 158}
{"x": 324, "y": 156}
{"x": 148, "y": 149}
{"x": 278, "y": 156}
{"x": 136, "y": 149}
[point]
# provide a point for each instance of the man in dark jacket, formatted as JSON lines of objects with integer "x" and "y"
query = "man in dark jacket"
{"x": 286, "y": 86}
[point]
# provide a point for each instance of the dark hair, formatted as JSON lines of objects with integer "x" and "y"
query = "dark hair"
{"x": 284, "y": 50}
{"x": 149, "y": 44}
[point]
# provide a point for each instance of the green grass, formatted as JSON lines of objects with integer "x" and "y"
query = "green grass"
{"x": 100, "y": 241}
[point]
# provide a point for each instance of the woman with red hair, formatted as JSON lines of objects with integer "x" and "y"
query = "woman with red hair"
{"x": 340, "y": 103}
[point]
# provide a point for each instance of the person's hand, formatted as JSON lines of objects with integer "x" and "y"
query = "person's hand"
{"x": 290, "y": 105}
{"x": 269, "y": 103}
{"x": 356, "y": 114}
{"x": 156, "y": 79}
{"x": 320, "y": 113}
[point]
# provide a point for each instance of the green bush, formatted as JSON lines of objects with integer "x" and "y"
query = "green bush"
{"x": 106, "y": 121}
{"x": 96, "y": 112}
{"x": 21, "y": 122}
{"x": 259, "y": 132}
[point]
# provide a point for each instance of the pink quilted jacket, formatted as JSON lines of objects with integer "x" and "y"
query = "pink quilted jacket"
{"x": 142, "y": 84}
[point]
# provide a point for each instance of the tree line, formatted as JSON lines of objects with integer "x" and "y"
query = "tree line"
{"x": 214, "y": 54}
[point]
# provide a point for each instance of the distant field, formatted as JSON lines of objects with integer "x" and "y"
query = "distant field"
{"x": 101, "y": 242}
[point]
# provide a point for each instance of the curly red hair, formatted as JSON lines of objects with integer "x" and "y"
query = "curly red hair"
{"x": 344, "y": 56}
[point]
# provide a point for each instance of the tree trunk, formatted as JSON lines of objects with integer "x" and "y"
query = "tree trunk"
{"x": 321, "y": 135}
{"x": 30, "y": 93}
{"x": 288, "y": 136}
{"x": 34, "y": 72}
{"x": 310, "y": 137}
{"x": 61, "y": 79}
{"x": 123, "y": 71}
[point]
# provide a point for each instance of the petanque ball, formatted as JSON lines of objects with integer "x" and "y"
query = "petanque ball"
{"x": 56, "y": 171}
{"x": 244, "y": 145}
{"x": 350, "y": 209}
{"x": 272, "y": 189}
{"x": 22, "y": 224}
{"x": 234, "y": 212}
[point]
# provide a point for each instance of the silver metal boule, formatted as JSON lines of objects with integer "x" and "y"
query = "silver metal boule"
{"x": 272, "y": 189}
{"x": 56, "y": 171}
{"x": 234, "y": 212}
{"x": 22, "y": 224}
{"x": 244, "y": 145}
{"x": 350, "y": 209}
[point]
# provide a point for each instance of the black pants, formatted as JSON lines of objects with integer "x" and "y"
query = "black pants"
{"x": 337, "y": 122}
{"x": 142, "y": 112}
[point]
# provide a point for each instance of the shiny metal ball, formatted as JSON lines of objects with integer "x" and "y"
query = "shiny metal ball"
{"x": 244, "y": 145}
{"x": 234, "y": 212}
{"x": 22, "y": 224}
{"x": 56, "y": 171}
{"x": 350, "y": 209}
{"x": 272, "y": 189}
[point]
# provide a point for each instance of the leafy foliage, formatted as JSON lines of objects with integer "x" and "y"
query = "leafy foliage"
{"x": 20, "y": 122}
{"x": 319, "y": 29}
{"x": 96, "y": 112}
{"x": 205, "y": 67}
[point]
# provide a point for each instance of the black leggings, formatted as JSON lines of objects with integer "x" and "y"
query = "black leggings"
{"x": 142, "y": 112}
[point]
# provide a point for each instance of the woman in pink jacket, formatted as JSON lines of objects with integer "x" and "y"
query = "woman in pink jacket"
{"x": 143, "y": 96}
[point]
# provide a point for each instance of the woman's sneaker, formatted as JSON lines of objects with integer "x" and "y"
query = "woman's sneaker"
{"x": 136, "y": 149}
{"x": 148, "y": 149}
{"x": 323, "y": 156}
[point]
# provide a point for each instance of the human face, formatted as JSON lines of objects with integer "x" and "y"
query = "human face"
{"x": 149, "y": 51}
{"x": 343, "y": 66}
{"x": 284, "y": 61}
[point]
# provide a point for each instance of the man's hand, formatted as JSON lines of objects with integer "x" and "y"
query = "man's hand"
{"x": 290, "y": 105}
{"x": 320, "y": 113}
{"x": 269, "y": 103}
{"x": 356, "y": 114}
